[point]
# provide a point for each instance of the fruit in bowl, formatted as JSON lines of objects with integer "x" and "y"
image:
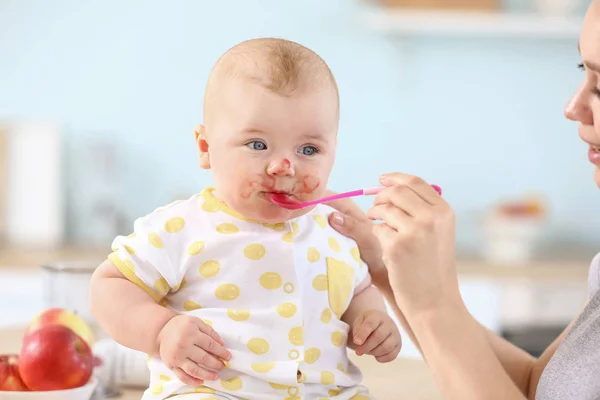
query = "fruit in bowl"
{"x": 10, "y": 379}
{"x": 60, "y": 316}
{"x": 54, "y": 357}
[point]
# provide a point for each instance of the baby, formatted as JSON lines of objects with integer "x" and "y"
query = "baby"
{"x": 232, "y": 296}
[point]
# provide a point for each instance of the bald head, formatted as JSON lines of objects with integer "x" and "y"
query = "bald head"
{"x": 280, "y": 66}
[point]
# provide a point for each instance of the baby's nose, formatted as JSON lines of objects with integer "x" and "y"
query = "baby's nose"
{"x": 282, "y": 167}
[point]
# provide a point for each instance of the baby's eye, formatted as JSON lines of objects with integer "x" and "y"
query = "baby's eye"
{"x": 309, "y": 150}
{"x": 256, "y": 145}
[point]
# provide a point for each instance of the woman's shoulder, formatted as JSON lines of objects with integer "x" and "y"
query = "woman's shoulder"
{"x": 594, "y": 276}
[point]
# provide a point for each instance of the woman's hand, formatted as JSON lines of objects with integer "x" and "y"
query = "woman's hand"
{"x": 417, "y": 240}
{"x": 351, "y": 221}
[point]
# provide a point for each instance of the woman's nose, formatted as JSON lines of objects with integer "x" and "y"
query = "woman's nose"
{"x": 281, "y": 167}
{"x": 578, "y": 109}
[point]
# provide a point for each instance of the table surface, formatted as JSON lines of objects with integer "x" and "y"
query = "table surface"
{"x": 401, "y": 379}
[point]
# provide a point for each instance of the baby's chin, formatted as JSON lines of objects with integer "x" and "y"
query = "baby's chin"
{"x": 272, "y": 214}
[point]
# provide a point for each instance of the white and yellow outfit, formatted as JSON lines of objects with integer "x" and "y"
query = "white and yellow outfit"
{"x": 275, "y": 294}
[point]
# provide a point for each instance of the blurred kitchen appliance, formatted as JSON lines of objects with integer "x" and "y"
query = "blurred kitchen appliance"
{"x": 34, "y": 204}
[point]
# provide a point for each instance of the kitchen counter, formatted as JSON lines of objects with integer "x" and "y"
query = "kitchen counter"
{"x": 401, "y": 379}
{"x": 570, "y": 266}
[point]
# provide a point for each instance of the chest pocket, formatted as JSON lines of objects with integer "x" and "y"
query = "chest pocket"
{"x": 340, "y": 285}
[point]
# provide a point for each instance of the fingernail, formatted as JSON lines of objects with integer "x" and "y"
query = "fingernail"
{"x": 338, "y": 219}
{"x": 383, "y": 178}
{"x": 359, "y": 341}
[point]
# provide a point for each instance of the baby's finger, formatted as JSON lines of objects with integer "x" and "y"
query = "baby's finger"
{"x": 194, "y": 370}
{"x": 364, "y": 327}
{"x": 210, "y": 345}
{"x": 374, "y": 340}
{"x": 384, "y": 347}
{"x": 391, "y": 356}
{"x": 209, "y": 331}
{"x": 202, "y": 358}
{"x": 186, "y": 378}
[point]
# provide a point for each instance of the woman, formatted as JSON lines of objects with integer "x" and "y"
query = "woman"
{"x": 411, "y": 259}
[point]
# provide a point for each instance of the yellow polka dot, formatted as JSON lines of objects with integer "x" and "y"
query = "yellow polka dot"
{"x": 238, "y": 315}
{"x": 161, "y": 286}
{"x": 341, "y": 283}
{"x": 232, "y": 384}
{"x": 359, "y": 396}
{"x": 295, "y": 398}
{"x": 228, "y": 291}
{"x": 205, "y": 390}
{"x": 148, "y": 358}
{"x": 288, "y": 237}
{"x": 277, "y": 386}
{"x": 154, "y": 240}
{"x": 327, "y": 378}
{"x": 301, "y": 378}
{"x": 286, "y": 310}
{"x": 320, "y": 220}
{"x": 292, "y": 391}
{"x": 227, "y": 228}
{"x": 227, "y": 363}
{"x": 258, "y": 346}
{"x": 338, "y": 338}
{"x": 335, "y": 246}
{"x": 270, "y": 280}
{"x": 129, "y": 249}
{"x": 279, "y": 226}
{"x": 190, "y": 305}
{"x": 196, "y": 248}
{"x": 296, "y": 336}
{"x": 355, "y": 253}
{"x": 295, "y": 228}
{"x": 263, "y": 368}
{"x": 320, "y": 282}
{"x": 209, "y": 268}
{"x": 255, "y": 251}
{"x": 334, "y": 392}
{"x": 181, "y": 285}
{"x": 313, "y": 255}
{"x": 174, "y": 224}
{"x": 293, "y": 354}
{"x": 164, "y": 378}
{"x": 312, "y": 355}
{"x": 340, "y": 367}
{"x": 326, "y": 315}
{"x": 288, "y": 287}
{"x": 210, "y": 207}
{"x": 157, "y": 389}
{"x": 208, "y": 322}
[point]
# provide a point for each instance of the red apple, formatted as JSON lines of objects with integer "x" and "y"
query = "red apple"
{"x": 10, "y": 379}
{"x": 54, "y": 358}
{"x": 64, "y": 317}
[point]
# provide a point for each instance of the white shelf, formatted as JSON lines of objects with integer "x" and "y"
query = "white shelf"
{"x": 472, "y": 24}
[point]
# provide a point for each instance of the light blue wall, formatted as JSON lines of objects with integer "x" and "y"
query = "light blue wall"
{"x": 482, "y": 118}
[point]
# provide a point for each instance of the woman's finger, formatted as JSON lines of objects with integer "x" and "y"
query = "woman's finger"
{"x": 416, "y": 184}
{"x": 393, "y": 216}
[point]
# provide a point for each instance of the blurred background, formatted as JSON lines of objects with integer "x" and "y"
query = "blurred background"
{"x": 98, "y": 100}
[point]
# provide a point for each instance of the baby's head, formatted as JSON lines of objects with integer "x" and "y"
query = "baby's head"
{"x": 271, "y": 113}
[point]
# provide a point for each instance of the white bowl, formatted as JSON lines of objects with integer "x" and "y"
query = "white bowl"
{"x": 81, "y": 393}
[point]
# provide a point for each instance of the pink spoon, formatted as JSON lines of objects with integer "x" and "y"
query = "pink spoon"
{"x": 285, "y": 202}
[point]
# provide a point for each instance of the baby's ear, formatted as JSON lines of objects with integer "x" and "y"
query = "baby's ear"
{"x": 202, "y": 145}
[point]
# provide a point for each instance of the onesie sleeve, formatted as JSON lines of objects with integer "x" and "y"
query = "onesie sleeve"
{"x": 143, "y": 257}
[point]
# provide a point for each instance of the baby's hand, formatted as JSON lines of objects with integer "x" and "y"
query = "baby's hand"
{"x": 376, "y": 334}
{"x": 192, "y": 350}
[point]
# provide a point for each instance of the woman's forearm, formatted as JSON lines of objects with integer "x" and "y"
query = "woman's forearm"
{"x": 460, "y": 356}
{"x": 516, "y": 362}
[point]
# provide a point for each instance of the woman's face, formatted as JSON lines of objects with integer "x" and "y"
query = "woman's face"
{"x": 584, "y": 106}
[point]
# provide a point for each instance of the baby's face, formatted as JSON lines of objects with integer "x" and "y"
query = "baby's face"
{"x": 260, "y": 143}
